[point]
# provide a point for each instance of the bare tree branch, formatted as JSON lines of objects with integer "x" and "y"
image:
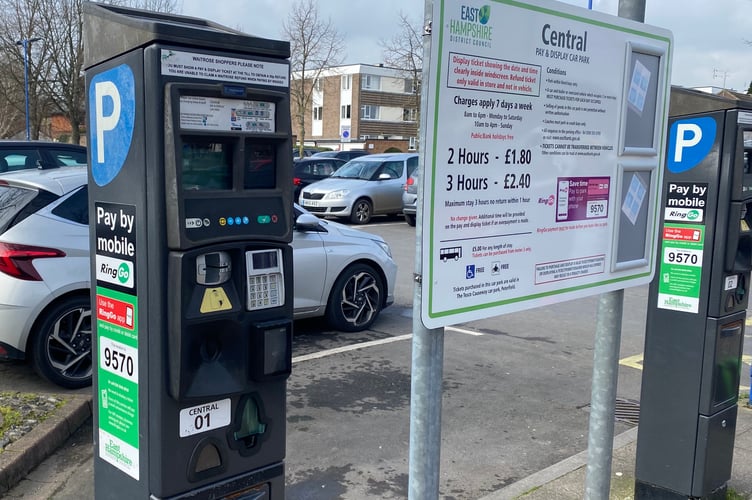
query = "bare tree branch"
{"x": 56, "y": 79}
{"x": 404, "y": 52}
{"x": 314, "y": 46}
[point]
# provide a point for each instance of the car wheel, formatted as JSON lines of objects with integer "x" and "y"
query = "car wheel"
{"x": 361, "y": 212}
{"x": 410, "y": 219}
{"x": 356, "y": 299}
{"x": 62, "y": 344}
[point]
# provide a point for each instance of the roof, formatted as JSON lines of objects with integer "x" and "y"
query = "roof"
{"x": 36, "y": 143}
{"x": 386, "y": 156}
{"x": 55, "y": 180}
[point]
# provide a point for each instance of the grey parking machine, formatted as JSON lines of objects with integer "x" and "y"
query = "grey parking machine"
{"x": 697, "y": 301}
{"x": 190, "y": 196}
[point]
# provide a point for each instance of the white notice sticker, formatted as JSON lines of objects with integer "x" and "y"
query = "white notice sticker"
{"x": 205, "y": 417}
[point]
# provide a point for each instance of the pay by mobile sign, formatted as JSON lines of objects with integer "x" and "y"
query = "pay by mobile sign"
{"x": 544, "y": 140}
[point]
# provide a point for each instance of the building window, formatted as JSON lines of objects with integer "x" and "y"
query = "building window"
{"x": 371, "y": 82}
{"x": 413, "y": 145}
{"x": 346, "y": 82}
{"x": 318, "y": 112}
{"x": 368, "y": 112}
{"x": 410, "y": 86}
{"x": 409, "y": 114}
{"x": 317, "y": 84}
{"x": 345, "y": 111}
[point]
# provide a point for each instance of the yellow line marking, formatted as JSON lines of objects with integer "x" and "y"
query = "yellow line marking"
{"x": 633, "y": 361}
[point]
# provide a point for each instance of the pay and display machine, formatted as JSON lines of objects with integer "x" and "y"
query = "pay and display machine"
{"x": 190, "y": 195}
{"x": 697, "y": 301}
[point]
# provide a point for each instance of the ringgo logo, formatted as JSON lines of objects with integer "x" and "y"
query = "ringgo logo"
{"x": 115, "y": 271}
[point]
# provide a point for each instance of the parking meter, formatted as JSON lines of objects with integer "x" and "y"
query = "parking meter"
{"x": 190, "y": 195}
{"x": 697, "y": 301}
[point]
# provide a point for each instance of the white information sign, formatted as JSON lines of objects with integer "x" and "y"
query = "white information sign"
{"x": 205, "y": 417}
{"x": 228, "y": 69}
{"x": 544, "y": 139}
{"x": 214, "y": 113}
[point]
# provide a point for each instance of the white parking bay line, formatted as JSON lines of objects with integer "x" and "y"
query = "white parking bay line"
{"x": 373, "y": 343}
{"x": 353, "y": 347}
{"x": 466, "y": 332}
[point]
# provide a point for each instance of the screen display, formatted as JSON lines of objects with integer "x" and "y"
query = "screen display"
{"x": 265, "y": 260}
{"x": 207, "y": 164}
{"x": 260, "y": 165}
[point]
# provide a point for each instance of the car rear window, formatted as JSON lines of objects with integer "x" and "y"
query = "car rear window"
{"x": 76, "y": 207}
{"x": 17, "y": 203}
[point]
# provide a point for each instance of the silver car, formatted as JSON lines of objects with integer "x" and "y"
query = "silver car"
{"x": 363, "y": 187}
{"x": 410, "y": 199}
{"x": 345, "y": 275}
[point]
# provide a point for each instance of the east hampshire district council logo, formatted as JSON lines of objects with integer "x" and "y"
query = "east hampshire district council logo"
{"x": 472, "y": 27}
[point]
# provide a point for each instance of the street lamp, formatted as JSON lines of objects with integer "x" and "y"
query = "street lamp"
{"x": 26, "y": 43}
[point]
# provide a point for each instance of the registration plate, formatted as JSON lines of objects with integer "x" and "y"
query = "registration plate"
{"x": 310, "y": 203}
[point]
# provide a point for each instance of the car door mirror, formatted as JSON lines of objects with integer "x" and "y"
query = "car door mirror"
{"x": 307, "y": 222}
{"x": 384, "y": 176}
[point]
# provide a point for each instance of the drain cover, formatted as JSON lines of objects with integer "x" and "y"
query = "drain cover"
{"x": 625, "y": 410}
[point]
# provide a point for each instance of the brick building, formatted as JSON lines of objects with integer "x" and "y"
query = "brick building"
{"x": 361, "y": 106}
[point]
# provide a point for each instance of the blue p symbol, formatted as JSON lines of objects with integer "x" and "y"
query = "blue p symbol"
{"x": 112, "y": 106}
{"x": 689, "y": 143}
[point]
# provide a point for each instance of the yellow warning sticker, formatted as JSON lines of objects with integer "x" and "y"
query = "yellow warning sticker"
{"x": 215, "y": 299}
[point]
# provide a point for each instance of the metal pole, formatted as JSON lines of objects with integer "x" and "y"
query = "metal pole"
{"x": 25, "y": 43}
{"x": 606, "y": 361}
{"x": 603, "y": 394}
{"x": 428, "y": 344}
{"x": 632, "y": 9}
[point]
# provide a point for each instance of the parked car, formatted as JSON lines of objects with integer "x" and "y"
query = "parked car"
{"x": 45, "y": 309}
{"x": 366, "y": 186}
{"x": 24, "y": 155}
{"x": 410, "y": 198}
{"x": 45, "y": 305}
{"x": 342, "y": 155}
{"x": 306, "y": 152}
{"x": 312, "y": 169}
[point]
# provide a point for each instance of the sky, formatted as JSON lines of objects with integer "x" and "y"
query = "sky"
{"x": 712, "y": 39}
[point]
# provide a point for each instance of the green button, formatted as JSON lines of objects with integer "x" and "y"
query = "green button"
{"x": 263, "y": 219}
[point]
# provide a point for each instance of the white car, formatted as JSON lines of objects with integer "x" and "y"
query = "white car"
{"x": 45, "y": 304}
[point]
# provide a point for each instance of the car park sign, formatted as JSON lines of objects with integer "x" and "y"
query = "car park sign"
{"x": 544, "y": 138}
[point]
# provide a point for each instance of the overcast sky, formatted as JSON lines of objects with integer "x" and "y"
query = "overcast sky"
{"x": 710, "y": 37}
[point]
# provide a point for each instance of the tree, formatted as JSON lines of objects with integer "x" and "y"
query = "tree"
{"x": 314, "y": 46}
{"x": 11, "y": 94}
{"x": 56, "y": 78}
{"x": 20, "y": 20}
{"x": 63, "y": 21}
{"x": 404, "y": 51}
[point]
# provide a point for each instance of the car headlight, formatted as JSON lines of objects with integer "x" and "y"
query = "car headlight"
{"x": 337, "y": 195}
{"x": 385, "y": 247}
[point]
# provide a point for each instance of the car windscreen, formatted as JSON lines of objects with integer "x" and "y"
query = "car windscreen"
{"x": 17, "y": 203}
{"x": 355, "y": 169}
